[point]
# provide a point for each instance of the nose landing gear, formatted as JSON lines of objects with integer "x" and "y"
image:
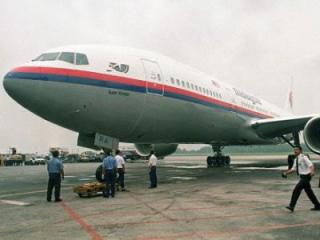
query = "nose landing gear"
{"x": 218, "y": 160}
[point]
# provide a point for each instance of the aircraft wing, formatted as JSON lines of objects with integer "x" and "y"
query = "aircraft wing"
{"x": 276, "y": 127}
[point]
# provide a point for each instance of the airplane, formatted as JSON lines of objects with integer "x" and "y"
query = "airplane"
{"x": 112, "y": 94}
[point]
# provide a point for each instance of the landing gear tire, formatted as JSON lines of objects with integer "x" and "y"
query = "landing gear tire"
{"x": 227, "y": 161}
{"x": 218, "y": 161}
{"x": 209, "y": 162}
{"x": 99, "y": 174}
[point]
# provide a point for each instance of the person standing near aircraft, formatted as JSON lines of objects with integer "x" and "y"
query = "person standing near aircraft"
{"x": 109, "y": 168}
{"x": 120, "y": 168}
{"x": 152, "y": 164}
{"x": 305, "y": 169}
{"x": 56, "y": 172}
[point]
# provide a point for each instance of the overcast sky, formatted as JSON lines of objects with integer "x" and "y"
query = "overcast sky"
{"x": 259, "y": 45}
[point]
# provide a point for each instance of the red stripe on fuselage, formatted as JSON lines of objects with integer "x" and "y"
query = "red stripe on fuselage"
{"x": 135, "y": 82}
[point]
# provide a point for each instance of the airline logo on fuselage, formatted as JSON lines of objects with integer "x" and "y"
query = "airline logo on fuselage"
{"x": 246, "y": 96}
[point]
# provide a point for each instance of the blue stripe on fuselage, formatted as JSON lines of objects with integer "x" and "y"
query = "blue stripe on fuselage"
{"x": 114, "y": 85}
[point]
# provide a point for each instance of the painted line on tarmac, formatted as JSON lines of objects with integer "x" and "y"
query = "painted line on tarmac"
{"x": 76, "y": 217}
{"x": 85, "y": 179}
{"x": 18, "y": 203}
{"x": 229, "y": 232}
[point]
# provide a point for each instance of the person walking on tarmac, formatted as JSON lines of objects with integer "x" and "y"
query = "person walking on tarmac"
{"x": 56, "y": 172}
{"x": 109, "y": 168}
{"x": 120, "y": 168}
{"x": 152, "y": 164}
{"x": 305, "y": 169}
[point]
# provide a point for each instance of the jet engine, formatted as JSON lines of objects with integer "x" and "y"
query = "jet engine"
{"x": 161, "y": 150}
{"x": 312, "y": 134}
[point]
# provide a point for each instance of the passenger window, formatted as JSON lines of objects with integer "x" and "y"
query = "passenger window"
{"x": 196, "y": 87}
{"x": 183, "y": 85}
{"x": 188, "y": 85}
{"x": 192, "y": 86}
{"x": 81, "y": 59}
{"x": 67, "y": 57}
{"x": 178, "y": 82}
{"x": 172, "y": 80}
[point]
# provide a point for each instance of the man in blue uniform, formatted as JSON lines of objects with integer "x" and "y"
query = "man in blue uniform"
{"x": 56, "y": 172}
{"x": 109, "y": 167}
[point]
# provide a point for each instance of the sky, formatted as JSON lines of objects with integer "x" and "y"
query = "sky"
{"x": 258, "y": 45}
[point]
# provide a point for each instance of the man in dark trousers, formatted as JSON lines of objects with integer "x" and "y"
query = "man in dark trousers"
{"x": 109, "y": 167}
{"x": 305, "y": 169}
{"x": 152, "y": 164}
{"x": 56, "y": 172}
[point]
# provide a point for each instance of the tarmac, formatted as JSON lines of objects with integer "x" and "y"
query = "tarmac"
{"x": 244, "y": 201}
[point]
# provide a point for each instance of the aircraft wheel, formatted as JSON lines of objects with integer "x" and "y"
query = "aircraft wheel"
{"x": 209, "y": 162}
{"x": 215, "y": 161}
{"x": 228, "y": 160}
{"x": 99, "y": 175}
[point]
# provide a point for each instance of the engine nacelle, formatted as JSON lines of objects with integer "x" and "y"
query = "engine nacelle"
{"x": 161, "y": 150}
{"x": 312, "y": 134}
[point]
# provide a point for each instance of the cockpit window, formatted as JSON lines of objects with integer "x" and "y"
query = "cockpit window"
{"x": 67, "y": 57}
{"x": 47, "y": 57}
{"x": 81, "y": 59}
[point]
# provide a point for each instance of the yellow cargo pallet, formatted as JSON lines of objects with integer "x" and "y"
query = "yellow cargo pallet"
{"x": 89, "y": 189}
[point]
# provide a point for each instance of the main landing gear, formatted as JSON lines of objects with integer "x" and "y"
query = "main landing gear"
{"x": 218, "y": 160}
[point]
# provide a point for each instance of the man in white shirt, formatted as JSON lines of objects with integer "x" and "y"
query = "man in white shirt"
{"x": 152, "y": 164}
{"x": 305, "y": 169}
{"x": 120, "y": 168}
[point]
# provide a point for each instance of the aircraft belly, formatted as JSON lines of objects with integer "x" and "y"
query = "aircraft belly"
{"x": 167, "y": 120}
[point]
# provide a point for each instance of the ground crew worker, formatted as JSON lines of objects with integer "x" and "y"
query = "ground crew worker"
{"x": 56, "y": 172}
{"x": 305, "y": 169}
{"x": 120, "y": 168}
{"x": 152, "y": 164}
{"x": 109, "y": 167}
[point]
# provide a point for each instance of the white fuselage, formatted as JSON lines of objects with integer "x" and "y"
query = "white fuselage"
{"x": 136, "y": 96}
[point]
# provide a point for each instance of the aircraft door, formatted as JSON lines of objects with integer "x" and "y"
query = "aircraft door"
{"x": 154, "y": 78}
{"x": 230, "y": 97}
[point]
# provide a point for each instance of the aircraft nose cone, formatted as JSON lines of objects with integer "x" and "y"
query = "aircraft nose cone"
{"x": 7, "y": 84}
{"x": 20, "y": 88}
